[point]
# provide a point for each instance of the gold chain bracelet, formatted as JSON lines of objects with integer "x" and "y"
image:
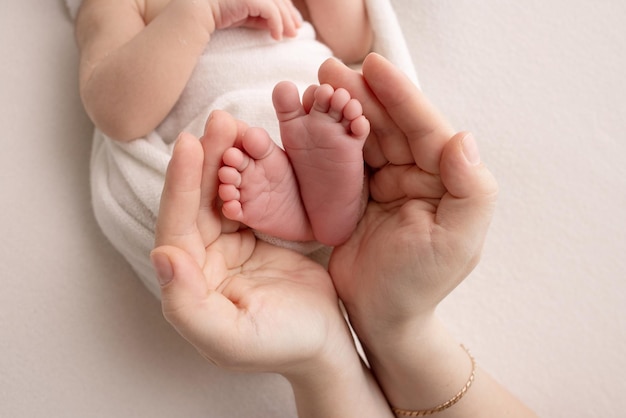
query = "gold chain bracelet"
{"x": 447, "y": 404}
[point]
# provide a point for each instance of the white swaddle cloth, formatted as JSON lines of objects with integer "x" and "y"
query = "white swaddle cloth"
{"x": 236, "y": 73}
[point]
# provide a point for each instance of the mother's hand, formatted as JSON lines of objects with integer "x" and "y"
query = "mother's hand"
{"x": 430, "y": 206}
{"x": 242, "y": 303}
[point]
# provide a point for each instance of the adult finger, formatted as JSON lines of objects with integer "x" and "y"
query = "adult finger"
{"x": 397, "y": 182}
{"x": 220, "y": 133}
{"x": 200, "y": 314}
{"x": 338, "y": 75}
{"x": 178, "y": 212}
{"x": 426, "y": 131}
{"x": 467, "y": 207}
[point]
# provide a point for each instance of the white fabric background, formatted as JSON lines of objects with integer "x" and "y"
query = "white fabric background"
{"x": 539, "y": 83}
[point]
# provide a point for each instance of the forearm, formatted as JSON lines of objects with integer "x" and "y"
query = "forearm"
{"x": 130, "y": 90}
{"x": 423, "y": 368}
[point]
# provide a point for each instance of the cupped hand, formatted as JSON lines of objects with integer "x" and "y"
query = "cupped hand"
{"x": 431, "y": 201}
{"x": 244, "y": 304}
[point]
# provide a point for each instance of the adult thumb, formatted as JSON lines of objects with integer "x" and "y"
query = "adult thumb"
{"x": 202, "y": 316}
{"x": 472, "y": 191}
{"x": 180, "y": 278}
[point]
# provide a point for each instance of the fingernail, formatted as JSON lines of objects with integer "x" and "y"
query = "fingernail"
{"x": 162, "y": 267}
{"x": 470, "y": 150}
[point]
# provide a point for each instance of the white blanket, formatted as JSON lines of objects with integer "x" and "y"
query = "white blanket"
{"x": 127, "y": 178}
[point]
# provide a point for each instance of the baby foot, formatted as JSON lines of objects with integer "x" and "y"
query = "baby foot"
{"x": 324, "y": 138}
{"x": 259, "y": 189}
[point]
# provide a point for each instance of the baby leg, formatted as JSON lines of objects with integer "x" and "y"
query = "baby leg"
{"x": 259, "y": 189}
{"x": 324, "y": 139}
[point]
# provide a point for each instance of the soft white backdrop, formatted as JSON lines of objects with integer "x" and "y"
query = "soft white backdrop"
{"x": 539, "y": 83}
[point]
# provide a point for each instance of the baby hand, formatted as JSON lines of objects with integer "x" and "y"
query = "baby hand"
{"x": 279, "y": 17}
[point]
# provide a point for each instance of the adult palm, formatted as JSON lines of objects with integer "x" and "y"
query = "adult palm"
{"x": 244, "y": 304}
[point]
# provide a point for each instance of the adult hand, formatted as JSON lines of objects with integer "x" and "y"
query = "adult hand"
{"x": 431, "y": 203}
{"x": 422, "y": 233}
{"x": 244, "y": 304}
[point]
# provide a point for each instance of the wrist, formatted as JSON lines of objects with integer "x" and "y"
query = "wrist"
{"x": 375, "y": 330}
{"x": 418, "y": 365}
{"x": 337, "y": 384}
